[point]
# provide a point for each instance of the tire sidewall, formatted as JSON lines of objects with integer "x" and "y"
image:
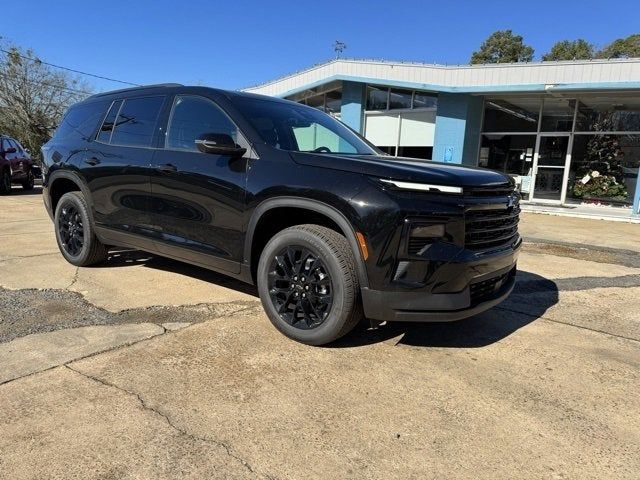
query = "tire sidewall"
{"x": 5, "y": 181}
{"x": 75, "y": 199}
{"x": 337, "y": 317}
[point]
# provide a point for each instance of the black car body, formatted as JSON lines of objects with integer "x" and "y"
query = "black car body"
{"x": 429, "y": 241}
{"x": 16, "y": 165}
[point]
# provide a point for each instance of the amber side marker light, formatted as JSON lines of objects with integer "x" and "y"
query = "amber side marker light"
{"x": 363, "y": 245}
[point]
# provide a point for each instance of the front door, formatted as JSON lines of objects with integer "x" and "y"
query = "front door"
{"x": 550, "y": 164}
{"x": 197, "y": 200}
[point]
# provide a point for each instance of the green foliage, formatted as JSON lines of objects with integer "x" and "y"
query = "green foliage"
{"x": 503, "y": 47}
{"x": 578, "y": 49}
{"x": 601, "y": 186}
{"x": 602, "y": 174}
{"x": 628, "y": 47}
{"x": 33, "y": 97}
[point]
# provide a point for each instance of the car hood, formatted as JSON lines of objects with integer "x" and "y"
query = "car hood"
{"x": 405, "y": 169}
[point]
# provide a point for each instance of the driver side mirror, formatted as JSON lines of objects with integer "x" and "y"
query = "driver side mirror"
{"x": 219, "y": 144}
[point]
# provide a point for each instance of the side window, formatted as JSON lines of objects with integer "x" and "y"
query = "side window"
{"x": 104, "y": 135}
{"x": 80, "y": 121}
{"x": 193, "y": 116}
{"x": 136, "y": 122}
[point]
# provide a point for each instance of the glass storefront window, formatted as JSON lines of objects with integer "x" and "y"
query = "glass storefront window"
{"x": 557, "y": 115}
{"x": 425, "y": 100}
{"x": 604, "y": 168}
{"x": 399, "y": 99}
{"x": 621, "y": 114}
{"x": 316, "y": 102}
{"x": 512, "y": 154}
{"x": 511, "y": 115}
{"x": 377, "y": 98}
{"x": 333, "y": 102}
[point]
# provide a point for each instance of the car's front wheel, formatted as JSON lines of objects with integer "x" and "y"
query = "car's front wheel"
{"x": 5, "y": 181}
{"x": 74, "y": 232}
{"x": 308, "y": 284}
{"x": 29, "y": 182}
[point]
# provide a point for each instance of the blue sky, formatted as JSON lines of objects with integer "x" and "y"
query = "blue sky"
{"x": 245, "y": 42}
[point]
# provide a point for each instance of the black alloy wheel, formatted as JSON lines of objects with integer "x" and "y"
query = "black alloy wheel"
{"x": 71, "y": 230}
{"x": 308, "y": 284}
{"x": 75, "y": 234}
{"x": 300, "y": 287}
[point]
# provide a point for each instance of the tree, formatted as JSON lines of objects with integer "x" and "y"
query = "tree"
{"x": 570, "y": 50}
{"x": 33, "y": 97}
{"x": 503, "y": 47}
{"x": 622, "y": 48}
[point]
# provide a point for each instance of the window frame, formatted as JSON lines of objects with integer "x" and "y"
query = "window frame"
{"x": 166, "y": 126}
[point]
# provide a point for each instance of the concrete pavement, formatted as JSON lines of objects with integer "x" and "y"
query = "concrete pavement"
{"x": 543, "y": 386}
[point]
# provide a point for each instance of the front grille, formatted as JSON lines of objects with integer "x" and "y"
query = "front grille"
{"x": 491, "y": 228}
{"x": 485, "y": 289}
{"x": 493, "y": 191}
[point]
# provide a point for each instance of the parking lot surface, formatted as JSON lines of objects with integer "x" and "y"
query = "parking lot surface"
{"x": 146, "y": 368}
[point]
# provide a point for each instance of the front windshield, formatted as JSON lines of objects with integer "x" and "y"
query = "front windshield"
{"x": 298, "y": 128}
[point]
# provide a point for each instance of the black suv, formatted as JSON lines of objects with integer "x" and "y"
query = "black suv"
{"x": 284, "y": 196}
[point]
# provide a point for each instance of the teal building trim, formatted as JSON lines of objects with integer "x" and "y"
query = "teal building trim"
{"x": 636, "y": 199}
{"x": 352, "y": 107}
{"x": 458, "y": 123}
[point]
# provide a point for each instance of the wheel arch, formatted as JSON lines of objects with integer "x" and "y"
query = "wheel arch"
{"x": 63, "y": 181}
{"x": 327, "y": 214}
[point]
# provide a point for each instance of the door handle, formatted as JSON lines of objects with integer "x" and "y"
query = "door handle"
{"x": 93, "y": 161}
{"x": 167, "y": 168}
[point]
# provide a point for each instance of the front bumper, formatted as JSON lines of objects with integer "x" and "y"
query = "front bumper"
{"x": 482, "y": 292}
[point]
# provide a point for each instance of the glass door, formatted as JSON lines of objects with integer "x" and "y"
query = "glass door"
{"x": 550, "y": 163}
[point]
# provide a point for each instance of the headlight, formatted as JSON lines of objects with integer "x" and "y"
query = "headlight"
{"x": 422, "y": 187}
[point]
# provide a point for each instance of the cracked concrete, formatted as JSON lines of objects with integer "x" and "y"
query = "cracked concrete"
{"x": 542, "y": 387}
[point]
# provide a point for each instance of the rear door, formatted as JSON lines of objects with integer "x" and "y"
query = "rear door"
{"x": 15, "y": 159}
{"x": 198, "y": 198}
{"x": 117, "y": 169}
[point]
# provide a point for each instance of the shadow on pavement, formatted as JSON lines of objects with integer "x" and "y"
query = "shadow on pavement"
{"x": 123, "y": 258}
{"x": 531, "y": 297}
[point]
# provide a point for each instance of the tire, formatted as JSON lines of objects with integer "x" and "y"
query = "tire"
{"x": 75, "y": 233}
{"x": 317, "y": 263}
{"x": 5, "y": 181}
{"x": 29, "y": 183}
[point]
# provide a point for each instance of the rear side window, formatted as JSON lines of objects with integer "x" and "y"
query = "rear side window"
{"x": 104, "y": 135}
{"x": 81, "y": 121}
{"x": 135, "y": 124}
{"x": 193, "y": 116}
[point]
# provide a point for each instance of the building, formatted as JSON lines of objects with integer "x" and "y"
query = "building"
{"x": 569, "y": 132}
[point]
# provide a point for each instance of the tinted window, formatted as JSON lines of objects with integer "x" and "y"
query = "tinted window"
{"x": 104, "y": 135}
{"x": 377, "y": 98}
{"x": 194, "y": 116}
{"x": 81, "y": 121}
{"x": 399, "y": 99}
{"x": 136, "y": 122}
{"x": 425, "y": 100}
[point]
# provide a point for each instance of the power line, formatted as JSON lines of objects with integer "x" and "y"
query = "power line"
{"x": 69, "y": 69}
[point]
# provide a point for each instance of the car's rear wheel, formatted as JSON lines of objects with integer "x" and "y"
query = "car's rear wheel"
{"x": 74, "y": 232}
{"x": 308, "y": 284}
{"x": 29, "y": 182}
{"x": 5, "y": 181}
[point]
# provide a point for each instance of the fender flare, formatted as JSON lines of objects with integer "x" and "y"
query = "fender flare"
{"x": 75, "y": 178}
{"x": 316, "y": 206}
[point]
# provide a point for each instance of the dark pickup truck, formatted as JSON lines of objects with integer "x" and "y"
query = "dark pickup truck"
{"x": 283, "y": 196}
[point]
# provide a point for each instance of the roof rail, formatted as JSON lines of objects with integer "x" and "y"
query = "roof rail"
{"x": 141, "y": 87}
